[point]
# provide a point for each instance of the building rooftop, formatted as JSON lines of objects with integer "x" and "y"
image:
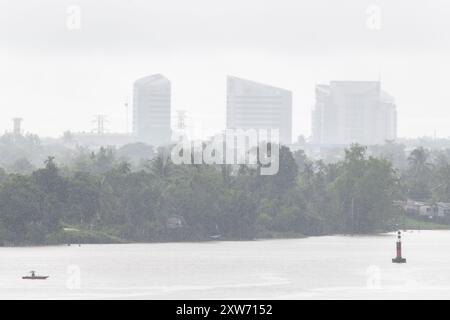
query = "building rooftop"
{"x": 256, "y": 86}
{"x": 152, "y": 79}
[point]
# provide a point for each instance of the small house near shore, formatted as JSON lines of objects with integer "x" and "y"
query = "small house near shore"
{"x": 427, "y": 209}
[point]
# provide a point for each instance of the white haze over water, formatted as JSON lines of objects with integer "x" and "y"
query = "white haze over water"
{"x": 57, "y": 78}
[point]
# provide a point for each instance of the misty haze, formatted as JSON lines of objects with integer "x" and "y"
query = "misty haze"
{"x": 254, "y": 149}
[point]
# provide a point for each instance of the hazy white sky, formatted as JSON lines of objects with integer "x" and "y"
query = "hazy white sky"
{"x": 58, "y": 79}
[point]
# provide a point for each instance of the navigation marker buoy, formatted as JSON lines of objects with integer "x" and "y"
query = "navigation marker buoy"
{"x": 398, "y": 258}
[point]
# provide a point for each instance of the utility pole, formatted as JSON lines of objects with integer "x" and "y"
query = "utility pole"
{"x": 100, "y": 120}
{"x": 126, "y": 117}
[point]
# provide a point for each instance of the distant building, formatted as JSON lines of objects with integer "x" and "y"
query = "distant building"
{"x": 353, "y": 112}
{"x": 426, "y": 209}
{"x": 251, "y": 105}
{"x": 151, "y": 110}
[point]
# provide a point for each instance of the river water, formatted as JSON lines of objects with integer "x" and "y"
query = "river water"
{"x": 332, "y": 267}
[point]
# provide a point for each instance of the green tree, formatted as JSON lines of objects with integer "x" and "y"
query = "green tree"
{"x": 419, "y": 174}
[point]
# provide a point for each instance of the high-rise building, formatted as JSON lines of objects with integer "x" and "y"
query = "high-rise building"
{"x": 251, "y": 105}
{"x": 151, "y": 110}
{"x": 353, "y": 112}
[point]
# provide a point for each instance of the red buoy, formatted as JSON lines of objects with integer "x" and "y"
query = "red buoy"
{"x": 399, "y": 258}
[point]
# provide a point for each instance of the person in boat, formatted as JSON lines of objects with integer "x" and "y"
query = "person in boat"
{"x": 33, "y": 274}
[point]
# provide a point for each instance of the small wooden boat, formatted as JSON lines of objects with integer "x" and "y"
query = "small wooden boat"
{"x": 34, "y": 276}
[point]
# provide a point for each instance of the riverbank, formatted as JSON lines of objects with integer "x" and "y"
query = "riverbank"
{"x": 74, "y": 235}
{"x": 83, "y": 236}
{"x": 78, "y": 235}
{"x": 410, "y": 223}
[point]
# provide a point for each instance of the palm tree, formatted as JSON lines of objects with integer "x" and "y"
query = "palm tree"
{"x": 160, "y": 166}
{"x": 419, "y": 174}
{"x": 418, "y": 159}
{"x": 50, "y": 162}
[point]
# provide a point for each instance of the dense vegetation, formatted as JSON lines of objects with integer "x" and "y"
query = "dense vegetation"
{"x": 102, "y": 197}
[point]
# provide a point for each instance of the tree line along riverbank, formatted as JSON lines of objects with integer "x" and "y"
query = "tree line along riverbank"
{"x": 102, "y": 198}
